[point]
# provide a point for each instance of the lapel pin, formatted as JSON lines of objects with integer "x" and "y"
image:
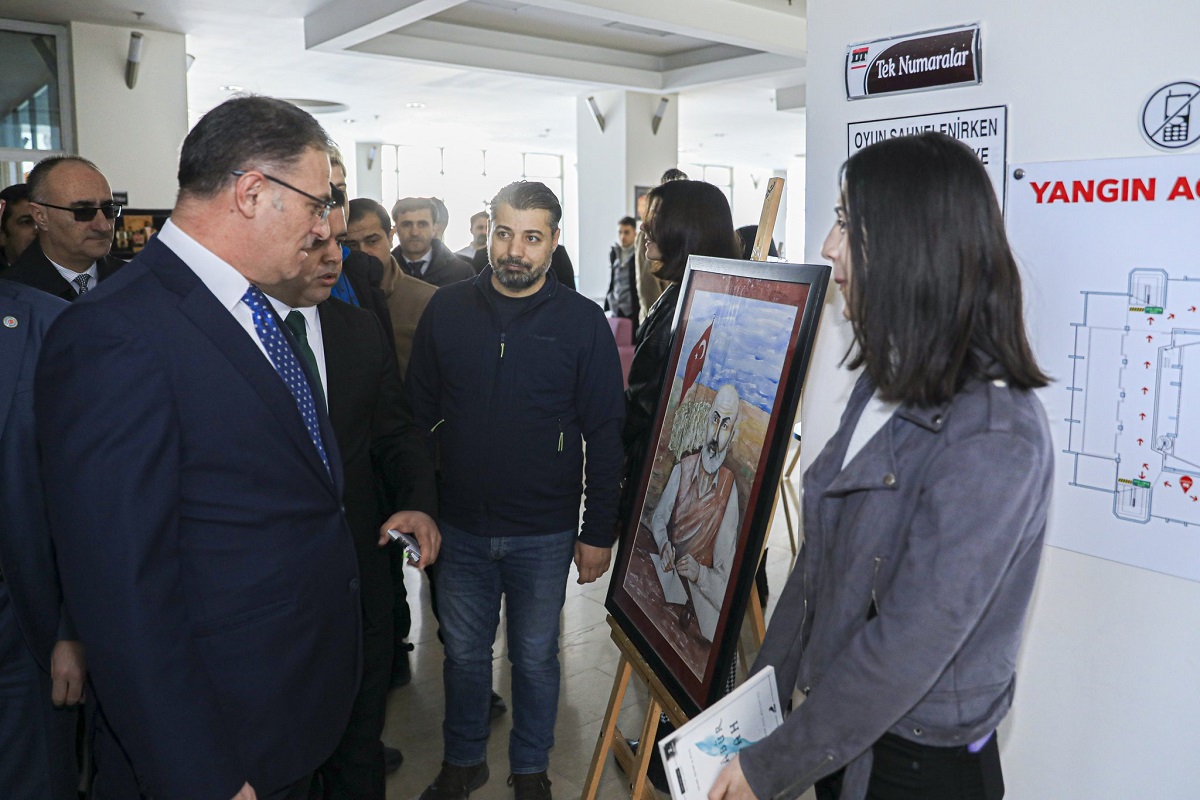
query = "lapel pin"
{"x": 10, "y": 322}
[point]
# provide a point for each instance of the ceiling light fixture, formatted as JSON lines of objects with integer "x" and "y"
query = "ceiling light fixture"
{"x": 414, "y": 105}
{"x": 231, "y": 87}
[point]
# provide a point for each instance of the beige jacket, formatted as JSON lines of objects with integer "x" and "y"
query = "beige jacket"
{"x": 406, "y": 300}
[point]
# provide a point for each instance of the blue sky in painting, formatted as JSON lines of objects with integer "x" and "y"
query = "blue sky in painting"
{"x": 748, "y": 346}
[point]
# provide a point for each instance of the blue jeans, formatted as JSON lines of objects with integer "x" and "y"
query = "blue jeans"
{"x": 472, "y": 574}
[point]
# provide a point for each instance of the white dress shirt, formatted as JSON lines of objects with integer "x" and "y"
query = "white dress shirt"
{"x": 224, "y": 281}
{"x": 217, "y": 274}
{"x": 312, "y": 326}
{"x": 69, "y": 275}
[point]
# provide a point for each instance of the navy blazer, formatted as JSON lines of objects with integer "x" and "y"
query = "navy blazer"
{"x": 204, "y": 553}
{"x": 26, "y": 554}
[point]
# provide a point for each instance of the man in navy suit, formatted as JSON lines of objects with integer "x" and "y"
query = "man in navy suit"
{"x": 41, "y": 666}
{"x": 195, "y": 487}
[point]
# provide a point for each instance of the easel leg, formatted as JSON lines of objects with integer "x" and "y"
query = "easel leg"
{"x": 609, "y": 729}
{"x": 645, "y": 750}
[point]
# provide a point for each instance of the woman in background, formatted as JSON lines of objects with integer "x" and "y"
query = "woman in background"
{"x": 685, "y": 218}
{"x": 897, "y": 633}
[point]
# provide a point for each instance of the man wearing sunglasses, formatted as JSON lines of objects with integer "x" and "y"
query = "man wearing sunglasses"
{"x": 73, "y": 209}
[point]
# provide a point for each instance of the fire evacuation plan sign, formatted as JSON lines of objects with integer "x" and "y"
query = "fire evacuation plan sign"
{"x": 1110, "y": 258}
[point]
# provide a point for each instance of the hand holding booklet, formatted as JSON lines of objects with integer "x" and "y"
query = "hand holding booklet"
{"x": 696, "y": 753}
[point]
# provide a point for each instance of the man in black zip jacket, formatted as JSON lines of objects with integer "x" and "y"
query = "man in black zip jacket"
{"x": 512, "y": 373}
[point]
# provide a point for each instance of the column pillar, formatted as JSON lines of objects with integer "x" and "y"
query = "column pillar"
{"x": 626, "y": 154}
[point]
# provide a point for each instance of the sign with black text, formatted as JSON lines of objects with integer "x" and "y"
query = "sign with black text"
{"x": 947, "y": 57}
{"x": 984, "y": 130}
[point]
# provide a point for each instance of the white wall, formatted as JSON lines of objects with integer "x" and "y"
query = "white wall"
{"x": 133, "y": 135}
{"x": 1108, "y": 695}
{"x": 610, "y": 164}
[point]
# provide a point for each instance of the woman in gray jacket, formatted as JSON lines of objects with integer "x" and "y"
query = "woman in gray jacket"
{"x": 897, "y": 633}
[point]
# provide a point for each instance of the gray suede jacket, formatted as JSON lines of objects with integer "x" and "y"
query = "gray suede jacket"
{"x": 905, "y": 608}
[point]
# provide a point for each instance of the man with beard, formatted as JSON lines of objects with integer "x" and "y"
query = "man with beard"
{"x": 696, "y": 523}
{"x": 511, "y": 373}
{"x": 419, "y": 252}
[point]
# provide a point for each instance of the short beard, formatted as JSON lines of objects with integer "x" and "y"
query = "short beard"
{"x": 712, "y": 463}
{"x": 518, "y": 280}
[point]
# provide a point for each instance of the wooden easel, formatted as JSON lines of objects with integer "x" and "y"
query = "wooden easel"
{"x": 611, "y": 738}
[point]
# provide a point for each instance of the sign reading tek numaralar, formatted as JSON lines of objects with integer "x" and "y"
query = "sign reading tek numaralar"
{"x": 949, "y": 57}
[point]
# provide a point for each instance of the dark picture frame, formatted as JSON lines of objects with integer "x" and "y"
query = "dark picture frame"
{"x": 748, "y": 325}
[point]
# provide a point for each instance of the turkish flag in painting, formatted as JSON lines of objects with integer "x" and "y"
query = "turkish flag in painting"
{"x": 695, "y": 362}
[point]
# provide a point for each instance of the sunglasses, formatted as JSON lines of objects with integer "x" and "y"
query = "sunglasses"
{"x": 322, "y": 207}
{"x": 88, "y": 213}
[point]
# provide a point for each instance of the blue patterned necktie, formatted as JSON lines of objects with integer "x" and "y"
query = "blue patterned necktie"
{"x": 286, "y": 364}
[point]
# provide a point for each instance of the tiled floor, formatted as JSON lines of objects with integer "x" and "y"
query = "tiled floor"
{"x": 589, "y": 663}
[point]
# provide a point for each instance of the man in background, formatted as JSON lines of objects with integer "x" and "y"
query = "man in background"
{"x": 73, "y": 209}
{"x": 369, "y": 231}
{"x": 388, "y": 472}
{"x": 17, "y": 230}
{"x": 418, "y": 252}
{"x": 479, "y": 232}
{"x": 622, "y": 298}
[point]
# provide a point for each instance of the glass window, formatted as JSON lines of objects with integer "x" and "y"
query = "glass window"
{"x": 31, "y": 104}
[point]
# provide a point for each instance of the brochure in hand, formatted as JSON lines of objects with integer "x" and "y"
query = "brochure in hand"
{"x": 696, "y": 753}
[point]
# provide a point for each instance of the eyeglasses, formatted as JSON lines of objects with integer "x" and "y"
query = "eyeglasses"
{"x": 323, "y": 206}
{"x": 88, "y": 213}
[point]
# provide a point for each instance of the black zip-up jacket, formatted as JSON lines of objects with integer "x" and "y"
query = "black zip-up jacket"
{"x": 509, "y": 409}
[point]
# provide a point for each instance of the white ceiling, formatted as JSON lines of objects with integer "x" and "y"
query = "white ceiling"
{"x": 474, "y": 73}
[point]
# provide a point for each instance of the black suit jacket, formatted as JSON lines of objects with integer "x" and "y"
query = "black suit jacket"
{"x": 444, "y": 266}
{"x": 26, "y": 554}
{"x": 205, "y": 558}
{"x": 34, "y": 269}
{"x": 386, "y": 462}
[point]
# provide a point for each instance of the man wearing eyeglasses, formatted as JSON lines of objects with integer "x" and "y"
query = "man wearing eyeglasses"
{"x": 73, "y": 209}
{"x": 194, "y": 483}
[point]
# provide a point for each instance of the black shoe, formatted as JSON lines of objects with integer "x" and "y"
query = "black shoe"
{"x": 392, "y": 759}
{"x": 401, "y": 669}
{"x": 456, "y": 783}
{"x": 534, "y": 786}
{"x": 497, "y": 709}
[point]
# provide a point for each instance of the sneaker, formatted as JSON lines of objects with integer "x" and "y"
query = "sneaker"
{"x": 401, "y": 669}
{"x": 455, "y": 782}
{"x": 532, "y": 786}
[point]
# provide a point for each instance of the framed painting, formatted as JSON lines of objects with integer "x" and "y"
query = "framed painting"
{"x": 743, "y": 334}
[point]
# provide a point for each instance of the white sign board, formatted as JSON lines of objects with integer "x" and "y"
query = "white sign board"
{"x": 984, "y": 130}
{"x": 1108, "y": 251}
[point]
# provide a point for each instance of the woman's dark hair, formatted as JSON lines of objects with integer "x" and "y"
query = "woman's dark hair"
{"x": 689, "y": 218}
{"x": 935, "y": 296}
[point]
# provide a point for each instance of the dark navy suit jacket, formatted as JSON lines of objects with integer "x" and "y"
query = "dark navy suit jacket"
{"x": 204, "y": 553}
{"x": 26, "y": 553}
